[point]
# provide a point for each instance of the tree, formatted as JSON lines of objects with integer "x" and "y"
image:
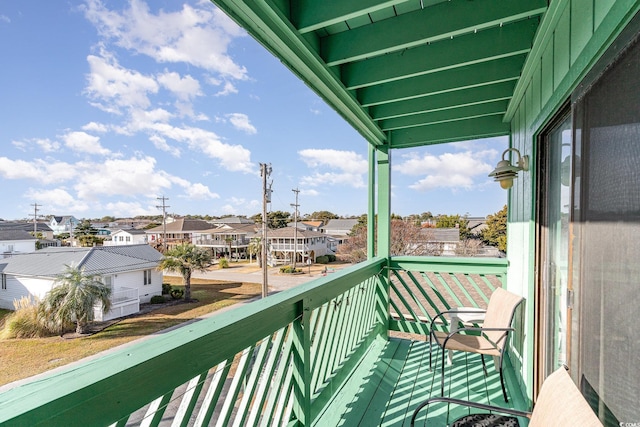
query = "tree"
{"x": 85, "y": 229}
{"x": 184, "y": 259}
{"x": 73, "y": 297}
{"x": 323, "y": 216}
{"x": 454, "y": 221}
{"x": 275, "y": 219}
{"x": 495, "y": 234}
{"x": 255, "y": 248}
{"x": 406, "y": 239}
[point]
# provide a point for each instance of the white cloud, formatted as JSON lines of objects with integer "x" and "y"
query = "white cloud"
{"x": 84, "y": 143}
{"x": 113, "y": 87}
{"x": 198, "y": 191}
{"x": 43, "y": 144}
{"x": 95, "y": 127}
{"x": 448, "y": 170}
{"x": 183, "y": 38}
{"x": 233, "y": 158}
{"x": 185, "y": 88}
{"x": 125, "y": 209}
{"x": 5, "y": 18}
{"x": 135, "y": 176}
{"x": 46, "y": 172}
{"x": 241, "y": 122}
{"x": 161, "y": 144}
{"x": 227, "y": 89}
{"x": 346, "y": 168}
{"x": 58, "y": 199}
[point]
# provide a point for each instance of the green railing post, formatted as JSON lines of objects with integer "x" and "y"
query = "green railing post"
{"x": 302, "y": 365}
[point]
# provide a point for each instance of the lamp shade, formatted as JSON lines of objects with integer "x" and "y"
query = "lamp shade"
{"x": 505, "y": 172}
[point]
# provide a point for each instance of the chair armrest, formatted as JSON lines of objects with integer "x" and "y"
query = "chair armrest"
{"x": 467, "y": 403}
{"x": 442, "y": 313}
{"x": 474, "y": 329}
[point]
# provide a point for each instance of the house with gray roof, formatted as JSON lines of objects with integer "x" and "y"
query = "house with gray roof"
{"x": 130, "y": 271}
{"x": 131, "y": 236}
{"x": 16, "y": 241}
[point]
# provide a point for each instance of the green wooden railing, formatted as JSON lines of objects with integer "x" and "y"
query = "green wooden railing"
{"x": 422, "y": 286}
{"x": 276, "y": 361}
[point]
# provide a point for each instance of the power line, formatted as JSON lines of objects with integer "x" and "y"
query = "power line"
{"x": 164, "y": 220}
{"x": 35, "y": 218}
{"x": 295, "y": 229}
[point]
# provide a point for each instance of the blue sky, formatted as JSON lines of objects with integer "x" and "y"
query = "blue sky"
{"x": 106, "y": 106}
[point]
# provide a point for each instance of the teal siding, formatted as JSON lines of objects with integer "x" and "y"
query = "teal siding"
{"x": 572, "y": 36}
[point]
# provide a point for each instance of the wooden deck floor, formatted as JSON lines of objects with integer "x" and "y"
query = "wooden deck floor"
{"x": 386, "y": 389}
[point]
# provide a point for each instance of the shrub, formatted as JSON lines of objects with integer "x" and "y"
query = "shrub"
{"x": 177, "y": 293}
{"x": 166, "y": 288}
{"x": 287, "y": 269}
{"x": 25, "y": 322}
{"x": 158, "y": 299}
{"x": 332, "y": 257}
{"x": 223, "y": 263}
{"x": 324, "y": 259}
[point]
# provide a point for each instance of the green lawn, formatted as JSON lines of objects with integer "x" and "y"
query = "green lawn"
{"x": 23, "y": 358}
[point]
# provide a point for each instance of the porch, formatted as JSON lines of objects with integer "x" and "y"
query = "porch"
{"x": 318, "y": 354}
{"x": 124, "y": 301}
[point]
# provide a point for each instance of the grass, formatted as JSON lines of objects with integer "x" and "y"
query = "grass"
{"x": 22, "y": 358}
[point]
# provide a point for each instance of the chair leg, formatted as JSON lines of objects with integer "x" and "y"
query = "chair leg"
{"x": 442, "y": 372}
{"x": 504, "y": 390}
{"x": 484, "y": 366}
{"x": 430, "y": 350}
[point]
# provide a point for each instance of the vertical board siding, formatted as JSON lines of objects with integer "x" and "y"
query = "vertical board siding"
{"x": 561, "y": 47}
{"x": 581, "y": 26}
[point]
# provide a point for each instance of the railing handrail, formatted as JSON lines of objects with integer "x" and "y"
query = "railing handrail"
{"x": 450, "y": 264}
{"x": 93, "y": 382}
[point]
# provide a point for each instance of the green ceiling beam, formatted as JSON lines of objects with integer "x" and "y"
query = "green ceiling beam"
{"x": 311, "y": 15}
{"x": 443, "y": 116}
{"x": 484, "y": 73}
{"x": 443, "y": 101}
{"x": 469, "y": 49}
{"x": 274, "y": 31}
{"x": 438, "y": 22}
{"x": 462, "y": 130}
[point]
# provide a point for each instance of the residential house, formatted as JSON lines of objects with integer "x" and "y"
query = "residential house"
{"x": 63, "y": 224}
{"x": 41, "y": 228}
{"x": 179, "y": 230}
{"x": 232, "y": 239}
{"x": 308, "y": 225}
{"x": 231, "y": 220}
{"x": 15, "y": 242}
{"x": 337, "y": 231}
{"x": 130, "y": 236}
{"x": 131, "y": 271}
{"x": 560, "y": 80}
{"x": 284, "y": 242}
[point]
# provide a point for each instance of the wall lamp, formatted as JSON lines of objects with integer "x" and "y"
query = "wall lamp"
{"x": 505, "y": 172}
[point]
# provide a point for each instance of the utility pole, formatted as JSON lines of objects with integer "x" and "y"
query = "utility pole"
{"x": 265, "y": 171}
{"x": 35, "y": 218}
{"x": 164, "y": 220}
{"x": 295, "y": 229}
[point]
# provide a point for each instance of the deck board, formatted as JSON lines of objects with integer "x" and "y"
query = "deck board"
{"x": 399, "y": 379}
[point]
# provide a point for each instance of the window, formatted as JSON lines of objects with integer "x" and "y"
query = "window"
{"x": 3, "y": 279}
{"x": 147, "y": 277}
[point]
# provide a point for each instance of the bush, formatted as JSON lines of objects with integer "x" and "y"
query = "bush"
{"x": 287, "y": 269}
{"x": 158, "y": 299}
{"x": 166, "y": 289}
{"x": 177, "y": 293}
{"x": 332, "y": 257}
{"x": 25, "y": 322}
{"x": 223, "y": 263}
{"x": 324, "y": 259}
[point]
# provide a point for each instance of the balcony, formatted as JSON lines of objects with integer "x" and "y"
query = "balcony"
{"x": 318, "y": 354}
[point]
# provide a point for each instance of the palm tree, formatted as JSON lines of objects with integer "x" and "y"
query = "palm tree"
{"x": 255, "y": 248}
{"x": 73, "y": 298}
{"x": 184, "y": 259}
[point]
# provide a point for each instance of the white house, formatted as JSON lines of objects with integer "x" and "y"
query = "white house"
{"x": 127, "y": 237}
{"x": 16, "y": 241}
{"x": 308, "y": 245}
{"x": 63, "y": 224}
{"x": 130, "y": 270}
